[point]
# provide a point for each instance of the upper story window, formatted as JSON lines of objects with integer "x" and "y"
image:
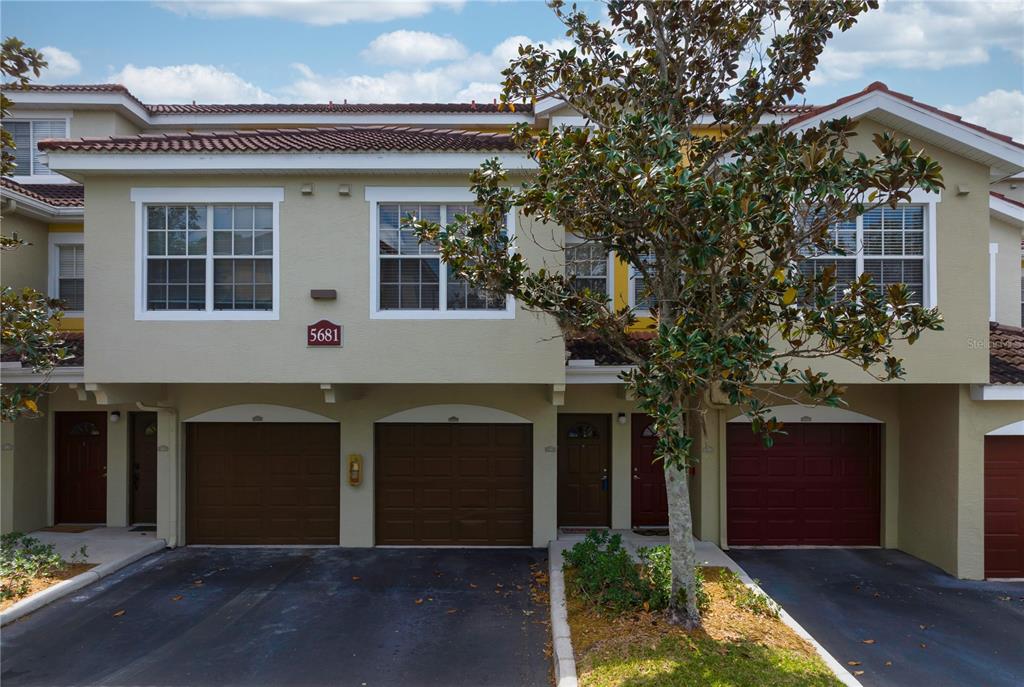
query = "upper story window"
{"x": 27, "y": 133}
{"x": 409, "y": 279}
{"x": 639, "y": 298}
{"x": 587, "y": 264}
{"x": 887, "y": 243}
{"x": 67, "y": 270}
{"x": 207, "y": 260}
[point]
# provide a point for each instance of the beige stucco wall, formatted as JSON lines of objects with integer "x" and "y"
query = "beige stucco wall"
{"x": 1008, "y": 271}
{"x": 26, "y": 265}
{"x": 324, "y": 244}
{"x": 976, "y": 419}
{"x": 100, "y": 123}
{"x": 23, "y": 474}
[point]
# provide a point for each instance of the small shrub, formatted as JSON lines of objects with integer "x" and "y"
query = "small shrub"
{"x": 746, "y": 598}
{"x": 606, "y": 575}
{"x": 656, "y": 564}
{"x": 23, "y": 559}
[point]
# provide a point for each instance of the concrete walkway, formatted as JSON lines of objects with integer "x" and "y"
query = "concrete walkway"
{"x": 103, "y": 544}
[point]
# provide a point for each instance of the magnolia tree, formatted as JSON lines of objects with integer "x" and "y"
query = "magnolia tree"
{"x": 679, "y": 175}
{"x": 29, "y": 317}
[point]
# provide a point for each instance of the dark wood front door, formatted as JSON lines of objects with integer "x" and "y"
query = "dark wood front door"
{"x": 584, "y": 470}
{"x": 1004, "y": 506}
{"x": 143, "y": 456}
{"x": 817, "y": 485}
{"x": 263, "y": 483}
{"x": 80, "y": 468}
{"x": 442, "y": 484}
{"x": 649, "y": 500}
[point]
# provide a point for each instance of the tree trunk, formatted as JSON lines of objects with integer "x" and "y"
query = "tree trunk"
{"x": 683, "y": 607}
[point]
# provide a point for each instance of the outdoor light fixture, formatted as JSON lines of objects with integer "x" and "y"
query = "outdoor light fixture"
{"x": 355, "y": 469}
{"x": 115, "y": 416}
{"x": 621, "y": 419}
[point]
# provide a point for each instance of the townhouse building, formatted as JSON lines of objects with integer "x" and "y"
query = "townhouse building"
{"x": 264, "y": 355}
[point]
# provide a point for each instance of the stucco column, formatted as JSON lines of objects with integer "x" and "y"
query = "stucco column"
{"x": 545, "y": 476}
{"x": 6, "y": 477}
{"x": 118, "y": 471}
{"x": 170, "y": 525}
{"x": 621, "y": 472}
{"x": 710, "y": 480}
{"x": 357, "y": 505}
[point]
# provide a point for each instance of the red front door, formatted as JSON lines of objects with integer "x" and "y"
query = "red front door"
{"x": 650, "y": 502}
{"x": 80, "y": 468}
{"x": 819, "y": 484}
{"x": 1004, "y": 506}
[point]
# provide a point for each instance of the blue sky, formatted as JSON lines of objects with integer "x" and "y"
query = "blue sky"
{"x": 962, "y": 55}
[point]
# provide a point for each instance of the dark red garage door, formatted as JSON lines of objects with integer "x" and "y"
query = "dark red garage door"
{"x": 463, "y": 484}
{"x": 263, "y": 483}
{"x": 1004, "y": 506}
{"x": 819, "y": 485}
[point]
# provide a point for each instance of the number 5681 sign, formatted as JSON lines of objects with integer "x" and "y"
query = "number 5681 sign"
{"x": 323, "y": 333}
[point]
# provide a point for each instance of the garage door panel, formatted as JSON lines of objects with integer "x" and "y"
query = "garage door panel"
{"x": 482, "y": 484}
{"x": 263, "y": 483}
{"x": 1004, "y": 506}
{"x": 821, "y": 486}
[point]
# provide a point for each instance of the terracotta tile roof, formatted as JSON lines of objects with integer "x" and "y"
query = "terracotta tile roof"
{"x": 591, "y": 348}
{"x": 881, "y": 87}
{"x": 337, "y": 108}
{"x": 1009, "y": 200}
{"x": 323, "y": 139}
{"x": 472, "y": 107}
{"x": 1006, "y": 354}
{"x": 73, "y": 341}
{"x": 57, "y": 195}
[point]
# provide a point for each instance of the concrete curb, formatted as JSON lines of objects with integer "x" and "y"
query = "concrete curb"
{"x": 62, "y": 589}
{"x": 561, "y": 643}
{"x": 840, "y": 671}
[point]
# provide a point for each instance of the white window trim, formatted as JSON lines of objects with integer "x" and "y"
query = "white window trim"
{"x": 29, "y": 116}
{"x": 376, "y": 195}
{"x": 993, "y": 251}
{"x": 56, "y": 240}
{"x": 574, "y": 240}
{"x": 203, "y": 195}
{"x": 631, "y": 294}
{"x": 931, "y": 277}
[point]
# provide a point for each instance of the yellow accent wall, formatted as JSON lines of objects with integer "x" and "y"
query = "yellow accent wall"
{"x": 66, "y": 228}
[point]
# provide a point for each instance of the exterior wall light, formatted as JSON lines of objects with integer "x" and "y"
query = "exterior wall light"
{"x": 115, "y": 416}
{"x": 621, "y": 419}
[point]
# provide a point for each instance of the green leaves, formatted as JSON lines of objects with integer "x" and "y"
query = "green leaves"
{"x": 29, "y": 332}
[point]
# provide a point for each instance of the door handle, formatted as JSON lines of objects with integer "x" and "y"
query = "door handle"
{"x": 604, "y": 483}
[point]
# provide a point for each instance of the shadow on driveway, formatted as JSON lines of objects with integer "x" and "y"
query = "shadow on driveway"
{"x": 936, "y": 630}
{"x": 374, "y": 617}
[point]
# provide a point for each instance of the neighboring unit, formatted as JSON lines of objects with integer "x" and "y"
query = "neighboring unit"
{"x": 273, "y": 358}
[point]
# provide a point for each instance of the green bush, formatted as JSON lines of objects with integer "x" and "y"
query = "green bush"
{"x": 747, "y": 598}
{"x": 23, "y": 559}
{"x": 606, "y": 575}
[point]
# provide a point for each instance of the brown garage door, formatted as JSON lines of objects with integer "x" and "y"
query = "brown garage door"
{"x": 467, "y": 484}
{"x": 262, "y": 483}
{"x": 818, "y": 485}
{"x": 1004, "y": 506}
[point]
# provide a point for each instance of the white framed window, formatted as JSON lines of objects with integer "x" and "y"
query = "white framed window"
{"x": 589, "y": 265}
{"x": 408, "y": 280}
{"x": 27, "y": 133}
{"x": 207, "y": 253}
{"x": 638, "y": 300}
{"x": 889, "y": 244}
{"x": 67, "y": 271}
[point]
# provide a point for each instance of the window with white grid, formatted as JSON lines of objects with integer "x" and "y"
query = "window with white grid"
{"x": 71, "y": 276}
{"x": 887, "y": 243}
{"x": 27, "y": 133}
{"x": 411, "y": 275}
{"x": 586, "y": 264}
{"x": 209, "y": 257}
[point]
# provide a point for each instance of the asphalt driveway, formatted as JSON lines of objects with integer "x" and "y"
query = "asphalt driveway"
{"x": 930, "y": 628}
{"x": 235, "y": 616}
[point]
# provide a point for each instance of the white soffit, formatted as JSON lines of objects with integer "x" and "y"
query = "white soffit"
{"x": 1006, "y": 211}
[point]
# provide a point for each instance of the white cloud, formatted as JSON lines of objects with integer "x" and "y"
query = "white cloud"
{"x": 911, "y": 34}
{"x": 413, "y": 47}
{"x": 475, "y": 77}
{"x": 60, "y": 64}
{"x": 998, "y": 110}
{"x": 183, "y": 83}
{"x": 315, "y": 12}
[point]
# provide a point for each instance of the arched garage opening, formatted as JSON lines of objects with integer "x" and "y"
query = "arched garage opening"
{"x": 453, "y": 475}
{"x": 1004, "y": 501}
